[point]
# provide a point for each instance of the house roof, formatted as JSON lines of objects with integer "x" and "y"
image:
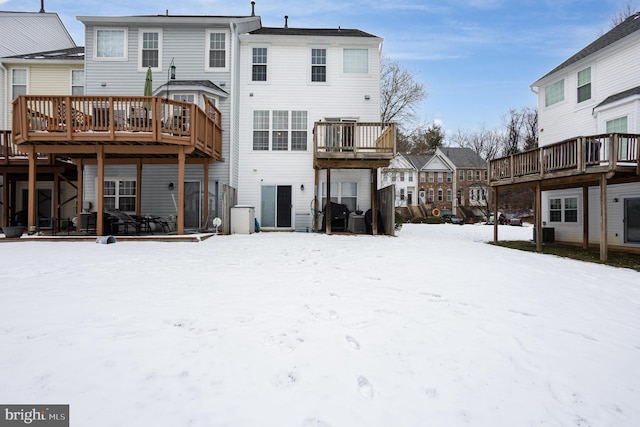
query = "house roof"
{"x": 332, "y": 32}
{"x": 618, "y": 96}
{"x": 191, "y": 84}
{"x": 418, "y": 161}
{"x": 627, "y": 27}
{"x": 24, "y": 32}
{"x": 72, "y": 53}
{"x": 463, "y": 157}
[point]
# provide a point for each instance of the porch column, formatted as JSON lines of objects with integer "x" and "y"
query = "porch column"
{"x": 603, "y": 217}
{"x": 31, "y": 206}
{"x": 139, "y": 187}
{"x": 100, "y": 192}
{"x": 374, "y": 202}
{"x": 205, "y": 195}
{"x": 538, "y": 214}
{"x": 327, "y": 213}
{"x": 315, "y": 199}
{"x": 181, "y": 162}
{"x": 496, "y": 194}
{"x": 80, "y": 196}
{"x": 5, "y": 200}
{"x": 585, "y": 217}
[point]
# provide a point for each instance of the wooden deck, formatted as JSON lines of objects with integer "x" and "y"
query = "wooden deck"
{"x": 123, "y": 126}
{"x": 353, "y": 145}
{"x": 570, "y": 162}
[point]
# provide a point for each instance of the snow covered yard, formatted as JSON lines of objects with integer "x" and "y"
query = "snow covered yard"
{"x": 431, "y": 328}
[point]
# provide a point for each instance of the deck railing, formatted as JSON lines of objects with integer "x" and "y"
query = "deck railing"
{"x": 354, "y": 137}
{"x": 11, "y": 154}
{"x": 571, "y": 157}
{"x": 117, "y": 119}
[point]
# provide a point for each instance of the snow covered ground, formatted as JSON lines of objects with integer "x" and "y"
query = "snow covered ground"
{"x": 430, "y": 328}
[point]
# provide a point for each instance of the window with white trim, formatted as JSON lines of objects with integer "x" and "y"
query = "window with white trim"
{"x": 563, "y": 209}
{"x": 120, "y": 194}
{"x": 469, "y": 175}
{"x": 149, "y": 44}
{"x": 401, "y": 176}
{"x": 554, "y": 93}
{"x": 618, "y": 125}
{"x": 430, "y": 176}
{"x": 280, "y": 133}
{"x": 584, "y": 84}
{"x": 261, "y": 130}
{"x": 259, "y": 64}
{"x": 423, "y": 178}
{"x": 440, "y": 194}
{"x": 461, "y": 175}
{"x": 431, "y": 195}
{"x": 217, "y": 50}
{"x": 18, "y": 82}
{"x": 477, "y": 175}
{"x": 77, "y": 82}
{"x": 449, "y": 194}
{"x": 111, "y": 44}
{"x": 298, "y": 131}
{"x": 410, "y": 177}
{"x": 345, "y": 193}
{"x": 449, "y": 176}
{"x": 318, "y": 65}
{"x": 355, "y": 61}
{"x": 440, "y": 176}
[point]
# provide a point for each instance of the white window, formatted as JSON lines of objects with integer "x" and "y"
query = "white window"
{"x": 449, "y": 194}
{"x": 402, "y": 194}
{"x": 410, "y": 177}
{"x": 461, "y": 175}
{"x": 345, "y": 193}
{"x": 401, "y": 176}
{"x": 298, "y": 131}
{"x": 355, "y": 61}
{"x": 563, "y": 209}
{"x": 477, "y": 175}
{"x": 111, "y": 44}
{"x": 430, "y": 176}
{"x": 440, "y": 176}
{"x": 431, "y": 195}
{"x": 217, "y": 50}
{"x": 271, "y": 130}
{"x": 423, "y": 178}
{"x": 449, "y": 176}
{"x": 261, "y": 130}
{"x": 18, "y": 82}
{"x": 120, "y": 194}
{"x": 318, "y": 65}
{"x": 486, "y": 174}
{"x": 77, "y": 82}
{"x": 280, "y": 131}
{"x": 439, "y": 194}
{"x": 554, "y": 93}
{"x": 618, "y": 125}
{"x": 149, "y": 49}
{"x": 259, "y": 64}
{"x": 469, "y": 175}
{"x": 584, "y": 84}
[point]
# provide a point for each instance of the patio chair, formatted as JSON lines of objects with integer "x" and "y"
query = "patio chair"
{"x": 123, "y": 221}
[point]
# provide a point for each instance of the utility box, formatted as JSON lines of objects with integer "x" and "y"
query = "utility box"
{"x": 548, "y": 234}
{"x": 243, "y": 219}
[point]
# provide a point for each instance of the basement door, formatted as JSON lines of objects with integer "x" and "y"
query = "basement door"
{"x": 276, "y": 206}
{"x": 632, "y": 220}
{"x": 44, "y": 206}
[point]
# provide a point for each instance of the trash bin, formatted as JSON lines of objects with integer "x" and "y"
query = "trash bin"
{"x": 243, "y": 219}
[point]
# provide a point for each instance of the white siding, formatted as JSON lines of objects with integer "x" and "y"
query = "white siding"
{"x": 613, "y": 70}
{"x": 289, "y": 88}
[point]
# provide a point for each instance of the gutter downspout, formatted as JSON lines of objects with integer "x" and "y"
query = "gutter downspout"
{"x": 5, "y": 79}
{"x": 235, "y": 45}
{"x": 531, "y": 86}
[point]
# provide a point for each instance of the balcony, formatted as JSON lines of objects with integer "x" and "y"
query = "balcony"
{"x": 353, "y": 145}
{"x": 573, "y": 161}
{"x": 123, "y": 126}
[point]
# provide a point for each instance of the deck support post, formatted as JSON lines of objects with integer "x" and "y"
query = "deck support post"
{"x": 5, "y": 199}
{"x": 496, "y": 194}
{"x": 139, "y": 187}
{"x": 80, "y": 192}
{"x": 205, "y": 194}
{"x": 585, "y": 217}
{"x": 538, "y": 216}
{"x": 100, "y": 192}
{"x": 374, "y": 202}
{"x": 31, "y": 217}
{"x": 603, "y": 217}
{"x": 327, "y": 213}
{"x": 315, "y": 200}
{"x": 181, "y": 163}
{"x": 56, "y": 203}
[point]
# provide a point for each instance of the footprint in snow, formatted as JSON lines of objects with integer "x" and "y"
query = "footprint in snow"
{"x": 364, "y": 388}
{"x": 314, "y": 422}
{"x": 284, "y": 379}
{"x": 352, "y": 342}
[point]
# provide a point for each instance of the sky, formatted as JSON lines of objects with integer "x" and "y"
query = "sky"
{"x": 476, "y": 58}
{"x": 430, "y": 328}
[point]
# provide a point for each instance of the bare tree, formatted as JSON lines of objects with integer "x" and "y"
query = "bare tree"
{"x": 485, "y": 142}
{"x": 621, "y": 16}
{"x": 400, "y": 91}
